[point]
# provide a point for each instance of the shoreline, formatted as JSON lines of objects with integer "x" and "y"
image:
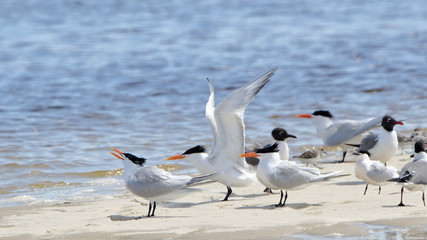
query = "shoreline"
{"x": 334, "y": 208}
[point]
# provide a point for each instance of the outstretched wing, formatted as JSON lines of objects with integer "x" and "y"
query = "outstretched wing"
{"x": 209, "y": 112}
{"x": 230, "y": 129}
{"x": 349, "y": 129}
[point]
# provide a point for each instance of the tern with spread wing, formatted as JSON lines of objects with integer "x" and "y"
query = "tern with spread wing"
{"x": 373, "y": 172}
{"x": 227, "y": 125}
{"x": 339, "y": 132}
{"x": 383, "y": 145}
{"x": 153, "y": 183}
{"x": 274, "y": 173}
{"x": 413, "y": 175}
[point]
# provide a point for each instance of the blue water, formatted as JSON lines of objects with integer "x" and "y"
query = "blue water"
{"x": 80, "y": 77}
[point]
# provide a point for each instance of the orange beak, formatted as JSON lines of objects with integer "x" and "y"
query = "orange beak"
{"x": 304, "y": 116}
{"x": 399, "y": 122}
{"x": 119, "y": 152}
{"x": 249, "y": 154}
{"x": 176, "y": 157}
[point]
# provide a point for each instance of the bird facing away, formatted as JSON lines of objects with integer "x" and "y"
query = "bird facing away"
{"x": 373, "y": 172}
{"x": 339, "y": 132}
{"x": 153, "y": 183}
{"x": 283, "y": 175}
{"x": 413, "y": 175}
{"x": 228, "y": 129}
{"x": 381, "y": 146}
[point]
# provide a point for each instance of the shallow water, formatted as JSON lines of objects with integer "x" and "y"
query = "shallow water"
{"x": 80, "y": 77}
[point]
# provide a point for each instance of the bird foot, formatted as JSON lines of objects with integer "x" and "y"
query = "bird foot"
{"x": 268, "y": 190}
{"x": 401, "y": 204}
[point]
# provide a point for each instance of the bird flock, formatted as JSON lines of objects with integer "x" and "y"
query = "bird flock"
{"x": 228, "y": 163}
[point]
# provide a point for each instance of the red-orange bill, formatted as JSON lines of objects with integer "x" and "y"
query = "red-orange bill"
{"x": 304, "y": 116}
{"x": 249, "y": 154}
{"x": 176, "y": 157}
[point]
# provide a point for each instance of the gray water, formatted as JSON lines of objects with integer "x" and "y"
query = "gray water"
{"x": 80, "y": 77}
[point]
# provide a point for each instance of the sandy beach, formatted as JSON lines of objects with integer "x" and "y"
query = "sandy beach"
{"x": 334, "y": 208}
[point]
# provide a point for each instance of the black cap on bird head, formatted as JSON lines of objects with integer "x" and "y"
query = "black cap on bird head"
{"x": 137, "y": 160}
{"x": 389, "y": 122}
{"x": 323, "y": 113}
{"x": 280, "y": 134}
{"x": 196, "y": 149}
{"x": 269, "y": 149}
{"x": 420, "y": 146}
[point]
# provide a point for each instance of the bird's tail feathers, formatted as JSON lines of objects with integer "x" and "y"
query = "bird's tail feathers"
{"x": 199, "y": 179}
{"x": 325, "y": 176}
{"x": 353, "y": 145}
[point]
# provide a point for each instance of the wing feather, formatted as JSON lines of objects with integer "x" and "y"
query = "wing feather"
{"x": 230, "y": 129}
{"x": 349, "y": 129}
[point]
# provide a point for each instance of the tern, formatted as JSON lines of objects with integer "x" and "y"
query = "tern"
{"x": 153, "y": 183}
{"x": 339, "y": 132}
{"x": 381, "y": 146}
{"x": 227, "y": 125}
{"x": 283, "y": 175}
{"x": 373, "y": 172}
{"x": 413, "y": 175}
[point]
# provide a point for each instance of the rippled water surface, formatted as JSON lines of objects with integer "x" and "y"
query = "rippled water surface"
{"x": 79, "y": 77}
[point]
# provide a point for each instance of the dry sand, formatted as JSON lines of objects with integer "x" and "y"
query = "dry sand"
{"x": 335, "y": 208}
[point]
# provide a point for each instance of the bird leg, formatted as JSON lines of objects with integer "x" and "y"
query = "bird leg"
{"x": 154, "y": 209}
{"x": 424, "y": 200}
{"x": 229, "y": 191}
{"x": 319, "y": 167}
{"x": 366, "y": 188}
{"x": 343, "y": 155}
{"x": 401, "y": 198}
{"x": 149, "y": 210}
{"x": 379, "y": 190}
{"x": 268, "y": 190}
{"x": 280, "y": 202}
{"x": 286, "y": 197}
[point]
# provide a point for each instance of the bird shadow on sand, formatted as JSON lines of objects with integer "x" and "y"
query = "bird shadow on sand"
{"x": 397, "y": 206}
{"x": 336, "y": 161}
{"x": 233, "y": 198}
{"x": 116, "y": 218}
{"x": 351, "y": 183}
{"x": 296, "y": 206}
